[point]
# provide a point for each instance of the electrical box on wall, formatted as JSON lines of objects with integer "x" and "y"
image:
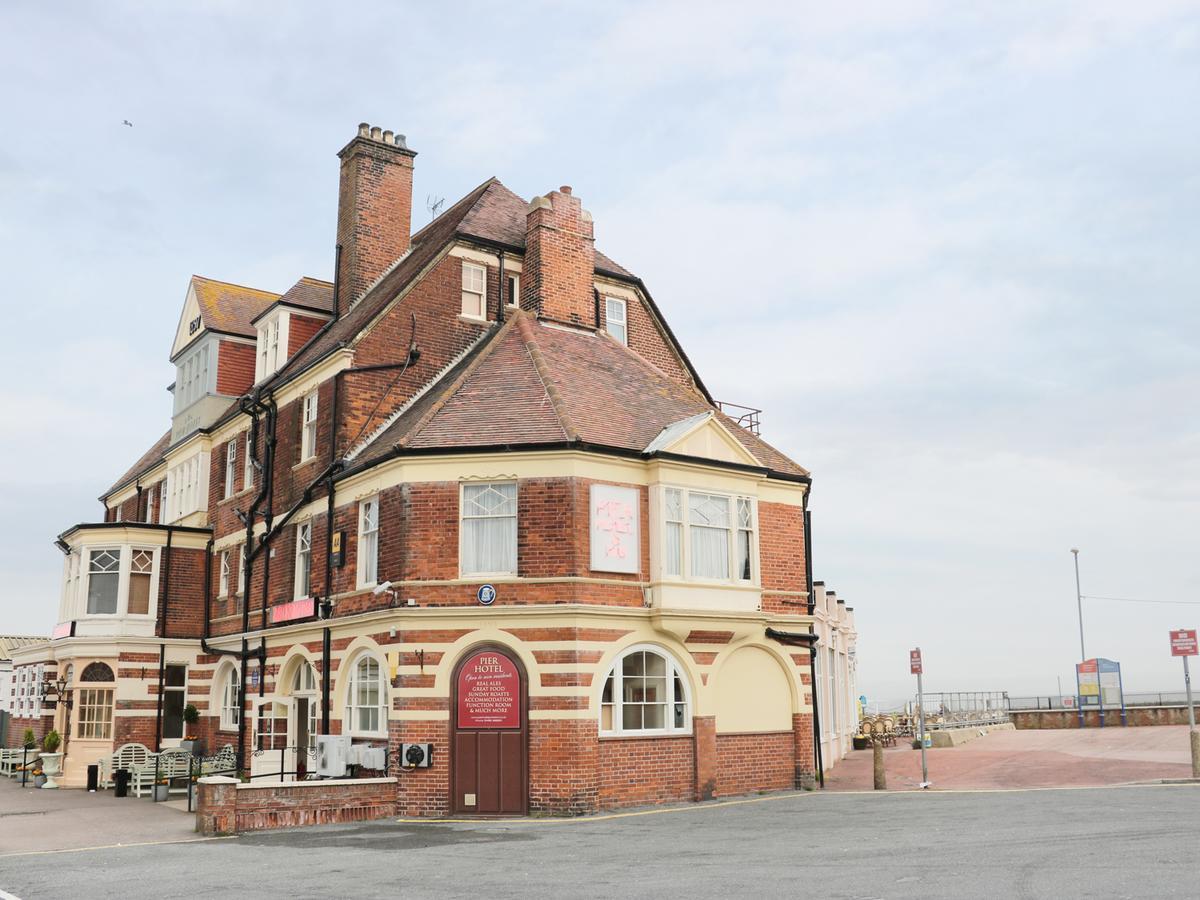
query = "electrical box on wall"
{"x": 338, "y": 551}
{"x": 416, "y": 756}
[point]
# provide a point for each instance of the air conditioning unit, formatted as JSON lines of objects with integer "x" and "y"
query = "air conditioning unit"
{"x": 416, "y": 756}
{"x": 373, "y": 757}
{"x": 332, "y": 753}
{"x": 354, "y": 754}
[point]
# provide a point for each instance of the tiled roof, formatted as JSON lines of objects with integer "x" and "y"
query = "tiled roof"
{"x": 148, "y": 460}
{"x": 11, "y": 642}
{"x": 532, "y": 384}
{"x": 230, "y": 308}
{"x": 307, "y": 293}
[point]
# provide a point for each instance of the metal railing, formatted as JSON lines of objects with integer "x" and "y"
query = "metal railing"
{"x": 962, "y": 709}
{"x": 746, "y": 416}
{"x": 1070, "y": 701}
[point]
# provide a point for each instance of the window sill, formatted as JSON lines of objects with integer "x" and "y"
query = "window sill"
{"x": 305, "y": 462}
{"x": 474, "y": 320}
{"x": 367, "y": 735}
{"x": 644, "y": 736}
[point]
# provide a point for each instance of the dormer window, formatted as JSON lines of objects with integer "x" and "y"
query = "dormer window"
{"x": 616, "y": 319}
{"x": 272, "y": 344}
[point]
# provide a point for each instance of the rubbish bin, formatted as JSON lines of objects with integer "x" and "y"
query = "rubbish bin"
{"x": 93, "y": 778}
{"x": 121, "y": 783}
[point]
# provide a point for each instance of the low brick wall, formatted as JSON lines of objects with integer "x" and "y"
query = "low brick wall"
{"x": 643, "y": 770}
{"x": 1069, "y": 718}
{"x": 755, "y": 762}
{"x": 225, "y": 806}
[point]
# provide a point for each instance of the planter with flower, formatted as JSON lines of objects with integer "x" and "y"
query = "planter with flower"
{"x": 191, "y": 742}
{"x": 51, "y": 758}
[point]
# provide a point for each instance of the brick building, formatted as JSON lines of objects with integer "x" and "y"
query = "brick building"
{"x": 474, "y": 494}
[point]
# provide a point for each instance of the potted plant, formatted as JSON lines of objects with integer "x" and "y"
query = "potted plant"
{"x": 190, "y": 741}
{"x": 28, "y": 741}
{"x": 51, "y": 758}
{"x": 162, "y": 790}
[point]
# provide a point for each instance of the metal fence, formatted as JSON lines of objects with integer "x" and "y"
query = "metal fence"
{"x": 962, "y": 709}
{"x": 1069, "y": 701}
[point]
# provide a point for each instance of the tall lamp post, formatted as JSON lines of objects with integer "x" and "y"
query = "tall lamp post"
{"x": 1079, "y": 604}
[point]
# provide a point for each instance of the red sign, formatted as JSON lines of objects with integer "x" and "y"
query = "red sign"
{"x": 914, "y": 661}
{"x": 290, "y": 612}
{"x": 1087, "y": 667}
{"x": 1183, "y": 642}
{"x": 489, "y": 692}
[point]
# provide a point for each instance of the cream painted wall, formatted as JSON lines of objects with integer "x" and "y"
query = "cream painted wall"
{"x": 752, "y": 693}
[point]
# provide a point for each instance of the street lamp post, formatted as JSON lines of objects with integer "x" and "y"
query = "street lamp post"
{"x": 1079, "y": 604}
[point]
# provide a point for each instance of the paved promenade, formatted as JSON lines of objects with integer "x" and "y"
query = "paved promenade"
{"x": 1030, "y": 759}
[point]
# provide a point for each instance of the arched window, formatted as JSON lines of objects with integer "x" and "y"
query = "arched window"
{"x": 645, "y": 693}
{"x": 97, "y": 671}
{"x": 366, "y": 698}
{"x": 305, "y": 681}
{"x": 231, "y": 707}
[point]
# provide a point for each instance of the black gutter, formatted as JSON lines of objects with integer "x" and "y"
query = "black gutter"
{"x": 500, "y": 304}
{"x": 186, "y": 529}
{"x": 337, "y": 281}
{"x": 166, "y": 594}
{"x": 162, "y": 662}
{"x": 326, "y": 656}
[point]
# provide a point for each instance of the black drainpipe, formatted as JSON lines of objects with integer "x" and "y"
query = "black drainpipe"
{"x": 166, "y": 592}
{"x": 503, "y": 287}
{"x": 337, "y": 280}
{"x": 326, "y": 677}
{"x": 596, "y": 303}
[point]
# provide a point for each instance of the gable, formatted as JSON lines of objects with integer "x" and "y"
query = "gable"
{"x": 703, "y": 437}
{"x": 191, "y": 322}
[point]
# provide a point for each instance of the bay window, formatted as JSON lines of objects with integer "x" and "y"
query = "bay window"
{"x": 707, "y": 536}
{"x": 489, "y": 529}
{"x": 141, "y": 575}
{"x": 104, "y": 576}
{"x": 120, "y": 581}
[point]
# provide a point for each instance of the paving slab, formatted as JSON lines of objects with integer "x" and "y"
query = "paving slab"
{"x": 1029, "y": 759}
{"x": 33, "y": 819}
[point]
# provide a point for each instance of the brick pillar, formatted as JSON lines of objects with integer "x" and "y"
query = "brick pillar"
{"x": 216, "y": 805}
{"x": 806, "y": 761}
{"x": 704, "y": 735}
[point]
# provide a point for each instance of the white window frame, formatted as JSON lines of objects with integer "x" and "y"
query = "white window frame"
{"x": 464, "y": 568}
{"x": 478, "y": 296}
{"x": 350, "y": 720}
{"x": 611, "y": 303}
{"x": 515, "y": 280}
{"x": 247, "y": 467}
{"x": 231, "y": 709}
{"x": 241, "y": 573}
{"x": 368, "y": 542}
{"x": 231, "y": 472}
{"x": 121, "y": 568}
{"x": 148, "y": 515}
{"x": 303, "y": 560}
{"x": 223, "y": 581}
{"x": 685, "y": 544}
{"x": 93, "y": 697}
{"x": 308, "y": 426}
{"x": 673, "y": 669}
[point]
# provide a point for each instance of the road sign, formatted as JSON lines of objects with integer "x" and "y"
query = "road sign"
{"x": 1183, "y": 642}
{"x": 914, "y": 661}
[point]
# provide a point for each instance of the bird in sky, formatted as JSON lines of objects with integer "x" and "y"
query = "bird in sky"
{"x": 127, "y": 122}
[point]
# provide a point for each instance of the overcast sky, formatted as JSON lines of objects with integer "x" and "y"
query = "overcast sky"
{"x": 950, "y": 249}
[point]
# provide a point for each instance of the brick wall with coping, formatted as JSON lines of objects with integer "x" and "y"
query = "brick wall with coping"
{"x": 224, "y": 806}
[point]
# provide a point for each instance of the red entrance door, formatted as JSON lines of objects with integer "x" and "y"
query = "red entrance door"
{"x": 490, "y": 735}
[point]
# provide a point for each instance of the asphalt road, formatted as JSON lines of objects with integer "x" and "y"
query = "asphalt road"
{"x": 1099, "y": 842}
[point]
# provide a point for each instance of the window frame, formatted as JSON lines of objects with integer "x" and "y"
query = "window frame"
{"x": 481, "y": 294}
{"x": 181, "y": 689}
{"x": 365, "y": 578}
{"x": 303, "y": 560}
{"x": 609, "y": 302}
{"x": 247, "y": 466}
{"x": 231, "y": 473}
{"x": 230, "y": 699}
{"x": 616, "y": 671}
{"x": 351, "y": 709}
{"x": 462, "y": 517}
{"x": 308, "y": 425}
{"x": 733, "y": 532}
{"x": 514, "y": 279}
{"x": 223, "y": 576}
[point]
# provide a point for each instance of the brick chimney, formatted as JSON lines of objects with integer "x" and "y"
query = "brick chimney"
{"x": 560, "y": 260}
{"x": 374, "y": 208}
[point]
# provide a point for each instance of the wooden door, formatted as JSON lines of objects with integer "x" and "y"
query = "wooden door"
{"x": 490, "y": 735}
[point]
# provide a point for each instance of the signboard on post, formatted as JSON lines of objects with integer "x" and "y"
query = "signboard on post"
{"x": 914, "y": 662}
{"x": 1183, "y": 642}
{"x": 915, "y": 668}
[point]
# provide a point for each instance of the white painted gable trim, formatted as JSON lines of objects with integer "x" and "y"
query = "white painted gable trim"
{"x": 677, "y": 432}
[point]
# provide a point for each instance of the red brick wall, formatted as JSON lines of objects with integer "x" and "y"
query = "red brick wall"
{"x": 423, "y": 792}
{"x": 185, "y": 605}
{"x": 635, "y": 771}
{"x": 374, "y": 212}
{"x": 644, "y": 337}
{"x": 300, "y": 329}
{"x": 560, "y": 260}
{"x": 223, "y": 808}
{"x": 755, "y": 762}
{"x": 39, "y": 724}
{"x": 563, "y": 770}
{"x": 235, "y": 368}
{"x": 781, "y": 556}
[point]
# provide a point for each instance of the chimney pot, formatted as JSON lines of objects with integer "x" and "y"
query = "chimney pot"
{"x": 565, "y": 189}
{"x": 364, "y": 129}
{"x": 387, "y": 137}
{"x": 376, "y": 133}
{"x": 401, "y": 141}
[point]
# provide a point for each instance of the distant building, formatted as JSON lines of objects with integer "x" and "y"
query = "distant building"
{"x": 14, "y": 696}
{"x": 473, "y": 494}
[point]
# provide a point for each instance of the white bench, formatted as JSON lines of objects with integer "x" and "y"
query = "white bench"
{"x": 170, "y": 765}
{"x": 11, "y": 759}
{"x": 127, "y": 756}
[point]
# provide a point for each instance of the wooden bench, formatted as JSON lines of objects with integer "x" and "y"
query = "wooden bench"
{"x": 169, "y": 766}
